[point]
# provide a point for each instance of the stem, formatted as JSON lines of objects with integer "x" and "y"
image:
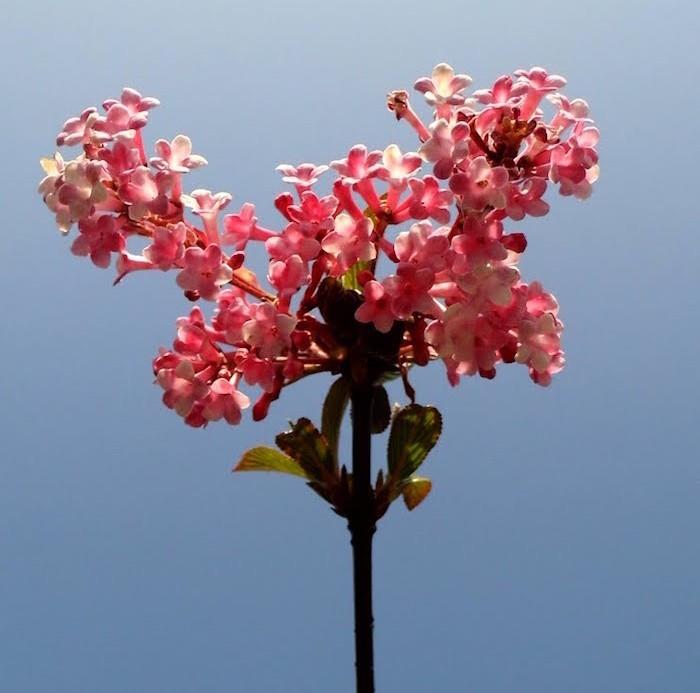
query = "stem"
{"x": 361, "y": 524}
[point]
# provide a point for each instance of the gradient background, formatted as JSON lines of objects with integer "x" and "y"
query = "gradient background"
{"x": 559, "y": 549}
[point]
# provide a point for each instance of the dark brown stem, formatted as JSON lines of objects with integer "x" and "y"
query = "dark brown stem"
{"x": 361, "y": 524}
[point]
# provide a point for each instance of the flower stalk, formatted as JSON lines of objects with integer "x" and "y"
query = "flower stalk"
{"x": 362, "y": 525}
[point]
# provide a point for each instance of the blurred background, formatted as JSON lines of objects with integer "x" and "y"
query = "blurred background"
{"x": 558, "y": 550}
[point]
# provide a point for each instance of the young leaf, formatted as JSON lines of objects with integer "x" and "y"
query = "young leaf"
{"x": 333, "y": 409}
{"x": 415, "y": 490}
{"x": 414, "y": 432}
{"x": 350, "y": 280}
{"x": 309, "y": 448}
{"x": 264, "y": 459}
{"x": 381, "y": 410}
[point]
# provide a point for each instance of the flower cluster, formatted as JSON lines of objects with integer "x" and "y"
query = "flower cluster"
{"x": 451, "y": 289}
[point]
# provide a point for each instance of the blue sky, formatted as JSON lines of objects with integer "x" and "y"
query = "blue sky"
{"x": 558, "y": 550}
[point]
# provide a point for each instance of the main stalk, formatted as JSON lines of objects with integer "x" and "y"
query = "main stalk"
{"x": 361, "y": 523}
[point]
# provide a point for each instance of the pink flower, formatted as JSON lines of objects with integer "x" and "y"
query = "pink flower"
{"x": 145, "y": 192}
{"x": 376, "y": 307}
{"x": 256, "y": 371}
{"x": 447, "y": 146}
{"x": 232, "y": 311}
{"x": 73, "y": 191}
{"x": 574, "y": 164}
{"x": 302, "y": 176}
{"x": 268, "y": 331}
{"x": 540, "y": 347}
{"x": 77, "y": 130}
{"x": 359, "y": 165}
{"x": 427, "y": 200}
{"x": 287, "y": 275}
{"x": 504, "y": 93}
{"x": 176, "y": 156}
{"x": 224, "y": 401}
{"x": 123, "y": 117}
{"x": 292, "y": 242}
{"x": 349, "y": 242}
{"x": 168, "y": 246}
{"x": 207, "y": 206}
{"x": 479, "y": 185}
{"x": 314, "y": 216}
{"x": 99, "y": 237}
{"x": 538, "y": 82}
{"x": 183, "y": 389}
{"x": 397, "y": 167}
{"x": 527, "y": 199}
{"x": 409, "y": 289}
{"x": 443, "y": 88}
{"x": 204, "y": 272}
{"x": 423, "y": 245}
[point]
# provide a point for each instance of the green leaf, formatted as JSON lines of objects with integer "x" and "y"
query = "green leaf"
{"x": 415, "y": 490}
{"x": 350, "y": 280}
{"x": 334, "y": 407}
{"x": 309, "y": 448}
{"x": 264, "y": 459}
{"x": 414, "y": 432}
{"x": 381, "y": 410}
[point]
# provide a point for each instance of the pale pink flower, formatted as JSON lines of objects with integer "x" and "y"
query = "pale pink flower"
{"x": 176, "y": 156}
{"x": 350, "y": 242}
{"x": 448, "y": 145}
{"x": 145, "y": 192}
{"x": 73, "y": 191}
{"x": 268, "y": 331}
{"x": 203, "y": 271}
{"x": 136, "y": 105}
{"x": 443, "y": 89}
{"x": 99, "y": 237}
{"x": 397, "y": 168}
{"x": 480, "y": 185}
{"x": 359, "y": 165}
{"x": 78, "y": 130}
{"x": 167, "y": 247}
{"x": 376, "y": 307}
{"x": 207, "y": 206}
{"x": 540, "y": 347}
{"x": 302, "y": 176}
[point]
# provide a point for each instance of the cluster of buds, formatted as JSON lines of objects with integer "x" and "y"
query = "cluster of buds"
{"x": 391, "y": 266}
